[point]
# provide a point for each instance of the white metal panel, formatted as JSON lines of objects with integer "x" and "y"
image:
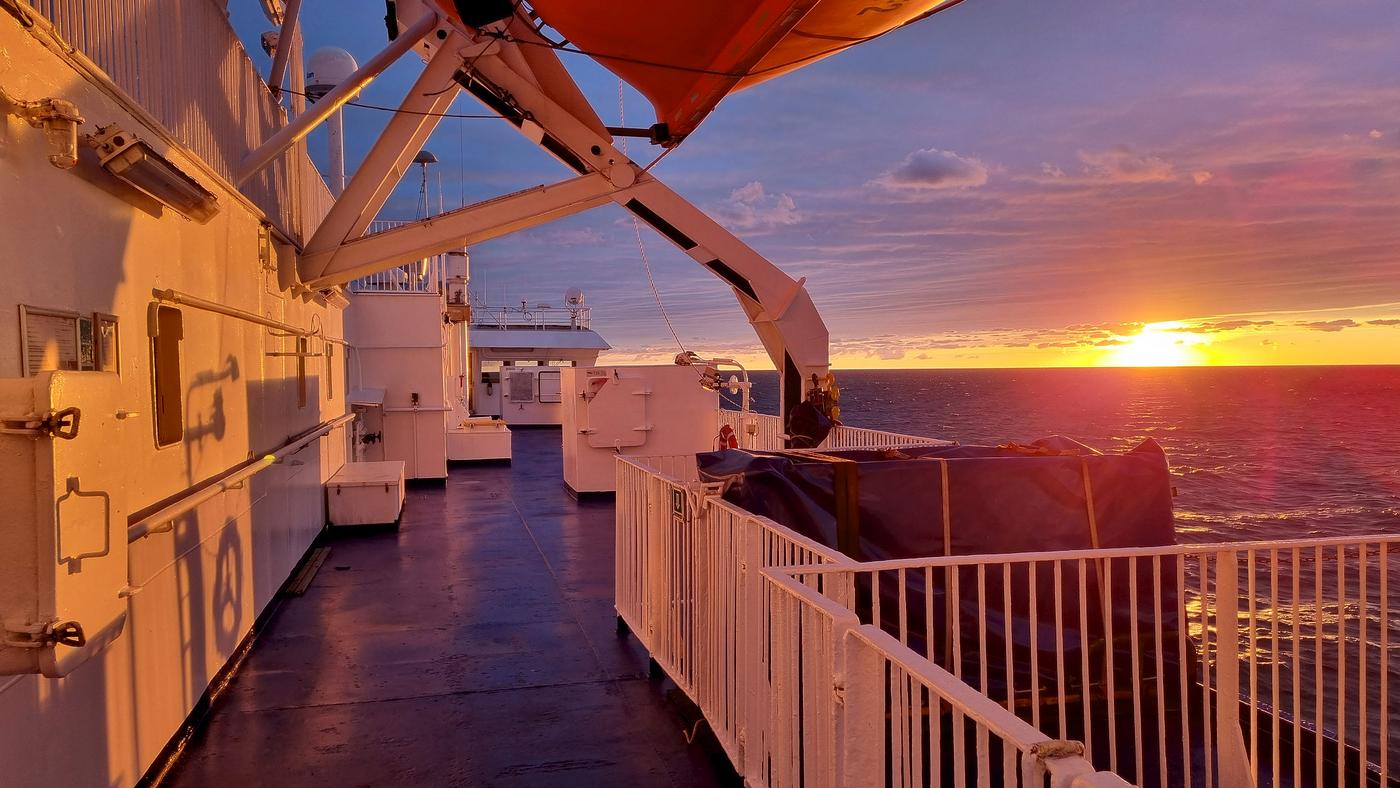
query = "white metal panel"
{"x": 643, "y": 410}
{"x": 72, "y": 565}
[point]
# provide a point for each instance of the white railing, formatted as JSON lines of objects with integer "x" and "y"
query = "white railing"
{"x": 184, "y": 65}
{"x": 428, "y": 275}
{"x": 1189, "y": 665}
{"x": 541, "y": 316}
{"x": 763, "y": 656}
{"x": 424, "y": 276}
{"x": 847, "y": 705}
{"x": 764, "y": 432}
{"x": 687, "y": 583}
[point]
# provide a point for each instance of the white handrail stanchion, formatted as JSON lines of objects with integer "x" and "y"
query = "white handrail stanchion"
{"x": 1231, "y": 752}
{"x": 861, "y": 719}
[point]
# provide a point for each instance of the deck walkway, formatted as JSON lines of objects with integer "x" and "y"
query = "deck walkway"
{"x": 475, "y": 646}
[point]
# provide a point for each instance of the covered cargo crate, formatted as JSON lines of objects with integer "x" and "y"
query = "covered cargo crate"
{"x": 1051, "y": 495}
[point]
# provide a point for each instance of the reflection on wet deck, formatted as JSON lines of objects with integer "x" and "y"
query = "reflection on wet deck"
{"x": 476, "y": 645}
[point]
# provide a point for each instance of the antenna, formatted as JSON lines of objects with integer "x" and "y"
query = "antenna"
{"x": 423, "y": 159}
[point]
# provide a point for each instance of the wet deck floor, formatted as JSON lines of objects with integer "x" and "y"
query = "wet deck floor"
{"x": 475, "y": 646}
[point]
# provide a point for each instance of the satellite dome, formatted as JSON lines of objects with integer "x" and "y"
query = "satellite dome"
{"x": 326, "y": 68}
{"x": 573, "y": 297}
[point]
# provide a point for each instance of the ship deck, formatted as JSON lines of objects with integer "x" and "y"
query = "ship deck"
{"x": 475, "y": 645}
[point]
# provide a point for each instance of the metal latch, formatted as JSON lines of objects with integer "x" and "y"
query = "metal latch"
{"x": 59, "y": 633}
{"x": 61, "y": 424}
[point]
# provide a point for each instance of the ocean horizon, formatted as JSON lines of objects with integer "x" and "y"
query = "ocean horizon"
{"x": 1256, "y": 453}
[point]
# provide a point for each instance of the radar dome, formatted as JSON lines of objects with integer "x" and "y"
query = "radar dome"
{"x": 573, "y": 297}
{"x": 326, "y": 68}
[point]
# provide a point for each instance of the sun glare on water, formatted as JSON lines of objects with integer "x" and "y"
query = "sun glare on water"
{"x": 1159, "y": 345}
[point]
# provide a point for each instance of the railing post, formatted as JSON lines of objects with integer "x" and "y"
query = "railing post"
{"x": 656, "y": 583}
{"x": 752, "y": 643}
{"x": 860, "y": 715}
{"x": 1231, "y": 753}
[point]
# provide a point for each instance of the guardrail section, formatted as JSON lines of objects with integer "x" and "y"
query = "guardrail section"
{"x": 1216, "y": 664}
{"x": 798, "y": 691}
{"x": 764, "y": 432}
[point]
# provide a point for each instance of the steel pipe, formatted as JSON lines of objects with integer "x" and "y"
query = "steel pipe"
{"x": 285, "y": 39}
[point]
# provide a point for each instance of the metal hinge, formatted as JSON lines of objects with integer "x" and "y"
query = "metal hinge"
{"x": 61, "y": 424}
{"x": 58, "y": 633}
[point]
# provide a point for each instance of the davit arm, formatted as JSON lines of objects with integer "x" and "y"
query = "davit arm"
{"x": 528, "y": 87}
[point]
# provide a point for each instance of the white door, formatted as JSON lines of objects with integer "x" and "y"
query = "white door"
{"x": 64, "y": 554}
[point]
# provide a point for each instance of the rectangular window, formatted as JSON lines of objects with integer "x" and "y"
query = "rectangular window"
{"x": 169, "y": 327}
{"x": 557, "y": 363}
{"x": 550, "y": 388}
{"x": 50, "y": 338}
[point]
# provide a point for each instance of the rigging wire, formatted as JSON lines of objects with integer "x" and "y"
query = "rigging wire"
{"x": 637, "y": 228}
{"x": 401, "y": 111}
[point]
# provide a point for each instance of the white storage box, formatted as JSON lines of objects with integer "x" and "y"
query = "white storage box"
{"x": 366, "y": 493}
{"x": 478, "y": 438}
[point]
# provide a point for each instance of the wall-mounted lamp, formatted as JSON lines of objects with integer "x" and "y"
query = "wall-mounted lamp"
{"x": 58, "y": 118}
{"x": 130, "y": 159}
{"x": 335, "y": 296}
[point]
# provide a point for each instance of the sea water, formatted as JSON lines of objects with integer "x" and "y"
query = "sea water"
{"x": 1255, "y": 452}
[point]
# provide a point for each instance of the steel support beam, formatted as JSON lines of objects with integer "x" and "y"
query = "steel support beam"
{"x": 304, "y": 123}
{"x": 779, "y": 307}
{"x": 284, "y": 46}
{"x": 471, "y": 224}
{"x": 392, "y": 155}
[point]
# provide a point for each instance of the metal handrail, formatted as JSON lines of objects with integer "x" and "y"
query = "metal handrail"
{"x": 152, "y": 523}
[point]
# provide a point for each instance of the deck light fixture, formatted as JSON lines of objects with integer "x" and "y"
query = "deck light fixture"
{"x": 131, "y": 160}
{"x": 57, "y": 117}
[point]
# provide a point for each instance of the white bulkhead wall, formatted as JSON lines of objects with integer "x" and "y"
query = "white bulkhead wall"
{"x": 401, "y": 346}
{"x": 74, "y": 240}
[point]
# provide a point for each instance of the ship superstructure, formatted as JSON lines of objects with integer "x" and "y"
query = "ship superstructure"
{"x": 216, "y": 354}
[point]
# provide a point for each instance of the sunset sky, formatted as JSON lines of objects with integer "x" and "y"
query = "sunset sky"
{"x": 1009, "y": 183}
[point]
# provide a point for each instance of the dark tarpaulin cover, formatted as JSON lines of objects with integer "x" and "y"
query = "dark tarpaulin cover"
{"x": 1001, "y": 499}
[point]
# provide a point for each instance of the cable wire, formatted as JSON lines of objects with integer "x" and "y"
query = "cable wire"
{"x": 637, "y": 228}
{"x": 400, "y": 111}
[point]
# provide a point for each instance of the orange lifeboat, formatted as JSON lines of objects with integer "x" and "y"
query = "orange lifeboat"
{"x": 686, "y": 55}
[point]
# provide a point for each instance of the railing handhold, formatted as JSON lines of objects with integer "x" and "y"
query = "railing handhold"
{"x": 1058, "y": 748}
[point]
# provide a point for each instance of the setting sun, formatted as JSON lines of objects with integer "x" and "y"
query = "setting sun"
{"x": 1168, "y": 344}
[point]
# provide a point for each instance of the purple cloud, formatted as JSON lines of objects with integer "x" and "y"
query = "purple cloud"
{"x": 931, "y": 168}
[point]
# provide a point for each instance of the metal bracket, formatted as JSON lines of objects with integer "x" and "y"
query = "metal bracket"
{"x": 57, "y": 633}
{"x": 62, "y": 424}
